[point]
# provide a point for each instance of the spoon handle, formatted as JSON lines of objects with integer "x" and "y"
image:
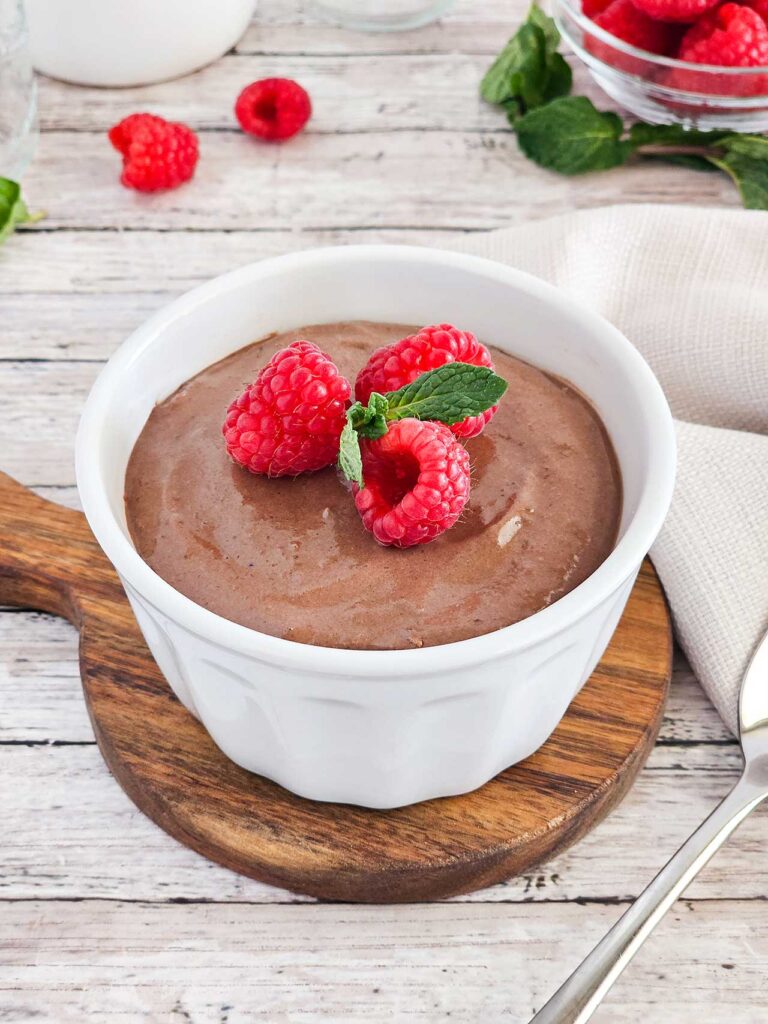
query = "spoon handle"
{"x": 577, "y": 999}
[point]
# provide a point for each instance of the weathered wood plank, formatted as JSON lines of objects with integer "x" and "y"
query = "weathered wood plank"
{"x": 71, "y": 832}
{"x": 295, "y": 28}
{"x": 234, "y": 964}
{"x": 398, "y": 179}
{"x": 349, "y": 94}
{"x": 41, "y": 699}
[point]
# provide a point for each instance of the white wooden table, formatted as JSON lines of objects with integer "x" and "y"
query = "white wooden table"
{"x": 102, "y": 916}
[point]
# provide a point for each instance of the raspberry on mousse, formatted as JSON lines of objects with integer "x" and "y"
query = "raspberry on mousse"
{"x": 290, "y": 419}
{"x": 416, "y": 483}
{"x": 394, "y": 366}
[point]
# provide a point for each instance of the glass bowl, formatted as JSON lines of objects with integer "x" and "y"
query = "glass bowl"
{"x": 663, "y": 90}
{"x": 382, "y": 15}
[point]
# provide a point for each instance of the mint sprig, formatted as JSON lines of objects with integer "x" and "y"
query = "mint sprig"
{"x": 447, "y": 394}
{"x": 529, "y": 71}
{"x": 569, "y": 135}
{"x": 13, "y": 209}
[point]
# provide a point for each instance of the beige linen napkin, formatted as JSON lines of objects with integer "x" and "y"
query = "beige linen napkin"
{"x": 689, "y": 287}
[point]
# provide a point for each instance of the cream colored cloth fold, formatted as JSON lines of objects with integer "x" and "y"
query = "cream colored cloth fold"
{"x": 689, "y": 287}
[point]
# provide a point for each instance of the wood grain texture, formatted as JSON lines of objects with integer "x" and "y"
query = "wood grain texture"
{"x": 171, "y": 769}
{"x": 103, "y": 917}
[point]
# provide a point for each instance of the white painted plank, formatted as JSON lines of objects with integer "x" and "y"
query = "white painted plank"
{"x": 349, "y": 94}
{"x": 71, "y": 832}
{"x": 287, "y": 27}
{"x": 41, "y": 701}
{"x": 128, "y": 962}
{"x": 399, "y": 179}
{"x": 103, "y": 263}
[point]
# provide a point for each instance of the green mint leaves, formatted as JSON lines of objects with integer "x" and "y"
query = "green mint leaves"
{"x": 529, "y": 71}
{"x": 531, "y": 81}
{"x": 448, "y": 394}
{"x": 571, "y": 136}
{"x": 350, "y": 459}
{"x": 13, "y": 209}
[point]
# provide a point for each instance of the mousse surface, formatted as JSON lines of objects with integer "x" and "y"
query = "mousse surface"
{"x": 290, "y": 557}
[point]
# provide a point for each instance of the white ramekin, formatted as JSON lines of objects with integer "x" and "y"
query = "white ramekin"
{"x": 379, "y": 728}
{"x": 131, "y": 42}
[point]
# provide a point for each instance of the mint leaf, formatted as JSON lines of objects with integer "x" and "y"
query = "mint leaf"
{"x": 547, "y": 25}
{"x": 350, "y": 459}
{"x": 559, "y": 78}
{"x": 571, "y": 136}
{"x": 371, "y": 421}
{"x": 641, "y": 134}
{"x": 529, "y": 71}
{"x": 13, "y": 209}
{"x": 750, "y": 176}
{"x": 448, "y": 394}
{"x": 690, "y": 160}
{"x": 520, "y": 70}
{"x": 754, "y": 146}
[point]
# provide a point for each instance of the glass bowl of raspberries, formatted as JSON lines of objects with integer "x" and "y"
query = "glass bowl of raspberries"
{"x": 701, "y": 63}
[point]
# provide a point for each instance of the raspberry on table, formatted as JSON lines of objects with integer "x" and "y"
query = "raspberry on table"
{"x": 416, "y": 483}
{"x": 393, "y": 366}
{"x": 273, "y": 108}
{"x": 675, "y": 10}
{"x": 157, "y": 154}
{"x": 625, "y": 21}
{"x": 290, "y": 419}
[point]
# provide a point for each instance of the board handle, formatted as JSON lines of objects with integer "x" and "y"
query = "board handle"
{"x": 49, "y": 558}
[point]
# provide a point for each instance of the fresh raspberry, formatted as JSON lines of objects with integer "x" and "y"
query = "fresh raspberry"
{"x": 674, "y": 10}
{"x": 758, "y": 6}
{"x": 290, "y": 419}
{"x": 623, "y": 19}
{"x": 416, "y": 483}
{"x": 594, "y": 7}
{"x": 733, "y": 36}
{"x": 730, "y": 36}
{"x": 157, "y": 154}
{"x": 394, "y": 366}
{"x": 273, "y": 108}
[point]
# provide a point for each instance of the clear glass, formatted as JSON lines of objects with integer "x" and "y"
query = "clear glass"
{"x": 382, "y": 15}
{"x": 18, "y": 96}
{"x": 663, "y": 90}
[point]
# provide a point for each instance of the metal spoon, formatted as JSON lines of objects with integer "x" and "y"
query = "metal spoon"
{"x": 576, "y": 1000}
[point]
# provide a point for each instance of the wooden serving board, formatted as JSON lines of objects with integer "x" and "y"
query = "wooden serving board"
{"x": 166, "y": 762}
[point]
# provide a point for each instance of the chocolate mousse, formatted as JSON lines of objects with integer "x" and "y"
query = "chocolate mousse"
{"x": 290, "y": 556}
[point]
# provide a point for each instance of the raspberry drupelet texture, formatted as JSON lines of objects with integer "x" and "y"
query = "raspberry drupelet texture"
{"x": 416, "y": 483}
{"x": 273, "y": 108}
{"x": 594, "y": 7}
{"x": 732, "y": 36}
{"x": 759, "y": 7}
{"x": 157, "y": 154}
{"x": 675, "y": 10}
{"x": 623, "y": 19}
{"x": 394, "y": 366}
{"x": 290, "y": 419}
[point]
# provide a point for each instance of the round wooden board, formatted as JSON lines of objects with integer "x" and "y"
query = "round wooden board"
{"x": 171, "y": 769}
